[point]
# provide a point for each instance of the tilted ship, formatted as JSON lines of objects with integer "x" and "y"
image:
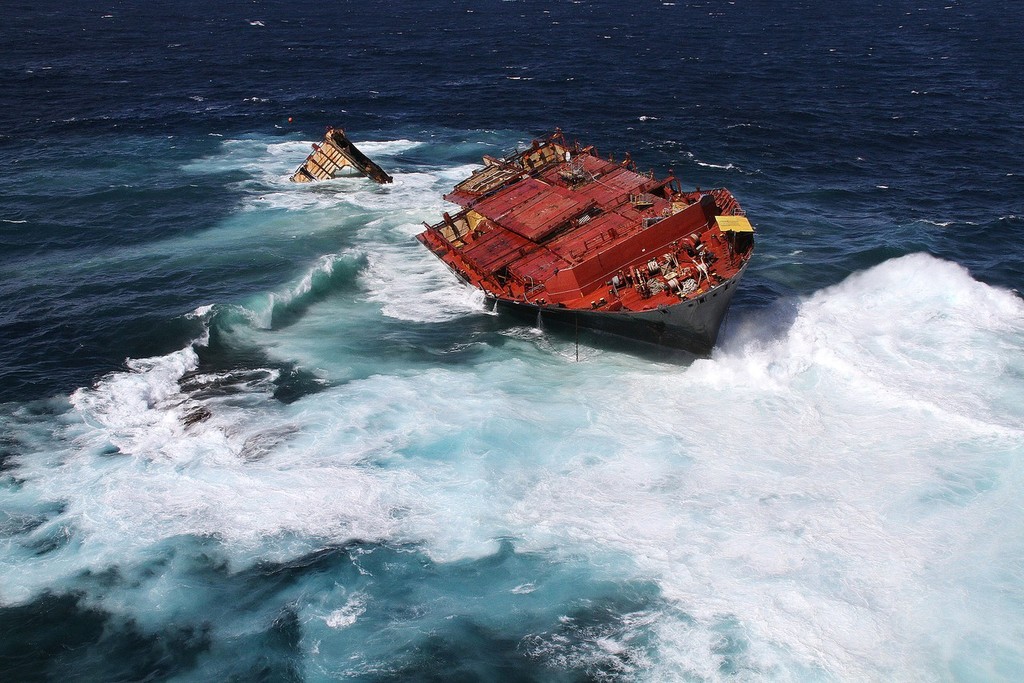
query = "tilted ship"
{"x": 557, "y": 232}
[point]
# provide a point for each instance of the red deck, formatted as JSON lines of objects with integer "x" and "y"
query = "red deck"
{"x": 556, "y": 225}
{"x": 532, "y": 209}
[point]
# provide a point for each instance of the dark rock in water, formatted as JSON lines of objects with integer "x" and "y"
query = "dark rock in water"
{"x": 197, "y": 414}
{"x": 294, "y": 383}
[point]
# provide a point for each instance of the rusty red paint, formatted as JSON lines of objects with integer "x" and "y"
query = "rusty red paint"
{"x": 556, "y": 225}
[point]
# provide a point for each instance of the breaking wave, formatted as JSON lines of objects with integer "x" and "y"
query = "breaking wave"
{"x": 825, "y": 480}
{"x": 331, "y": 273}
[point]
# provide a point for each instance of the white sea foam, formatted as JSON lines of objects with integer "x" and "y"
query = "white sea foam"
{"x": 822, "y": 483}
{"x": 139, "y": 409}
{"x": 201, "y": 311}
{"x": 410, "y": 284}
{"x": 241, "y": 471}
{"x": 347, "y": 615}
{"x": 388, "y": 147}
{"x": 727, "y": 167}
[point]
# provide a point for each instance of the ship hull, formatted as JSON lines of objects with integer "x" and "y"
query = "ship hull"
{"x": 690, "y": 325}
{"x": 560, "y": 234}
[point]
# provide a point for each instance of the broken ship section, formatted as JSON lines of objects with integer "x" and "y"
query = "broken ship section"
{"x": 560, "y": 232}
{"x": 334, "y": 155}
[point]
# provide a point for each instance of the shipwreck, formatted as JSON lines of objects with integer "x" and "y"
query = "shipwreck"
{"x": 558, "y": 232}
{"x": 334, "y": 156}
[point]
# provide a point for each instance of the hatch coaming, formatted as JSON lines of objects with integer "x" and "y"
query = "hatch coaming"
{"x": 501, "y": 173}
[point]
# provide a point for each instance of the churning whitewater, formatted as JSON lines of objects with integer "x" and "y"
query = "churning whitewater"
{"x": 361, "y": 471}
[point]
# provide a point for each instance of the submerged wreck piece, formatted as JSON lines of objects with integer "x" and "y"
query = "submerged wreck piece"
{"x": 558, "y": 233}
{"x": 335, "y": 153}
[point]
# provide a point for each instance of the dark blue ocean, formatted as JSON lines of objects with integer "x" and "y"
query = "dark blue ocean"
{"x": 253, "y": 431}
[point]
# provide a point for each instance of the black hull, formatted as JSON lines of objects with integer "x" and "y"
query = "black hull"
{"x": 689, "y": 325}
